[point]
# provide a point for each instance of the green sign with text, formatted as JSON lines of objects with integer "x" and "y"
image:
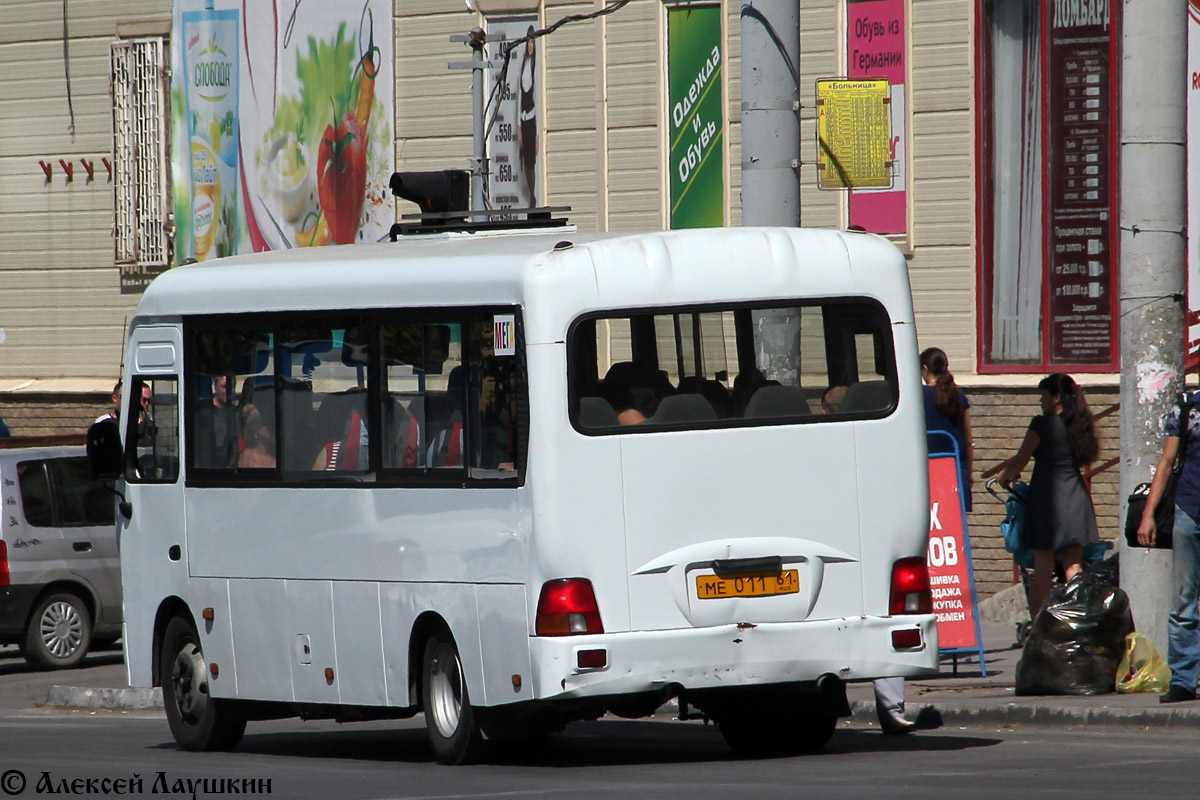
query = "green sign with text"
{"x": 697, "y": 111}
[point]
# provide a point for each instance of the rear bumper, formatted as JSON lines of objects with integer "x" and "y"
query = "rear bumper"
{"x": 854, "y": 649}
{"x": 15, "y": 604}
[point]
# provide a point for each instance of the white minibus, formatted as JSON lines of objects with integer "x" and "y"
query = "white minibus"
{"x": 512, "y": 480}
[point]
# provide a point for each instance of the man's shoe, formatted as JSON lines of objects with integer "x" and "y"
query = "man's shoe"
{"x": 896, "y": 726}
{"x": 1177, "y": 694}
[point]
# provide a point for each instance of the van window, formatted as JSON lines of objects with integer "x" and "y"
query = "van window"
{"x": 61, "y": 492}
{"x": 714, "y": 367}
{"x": 35, "y": 493}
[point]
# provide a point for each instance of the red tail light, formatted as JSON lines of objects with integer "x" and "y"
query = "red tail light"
{"x": 567, "y": 607}
{"x": 4, "y": 574}
{"x": 910, "y": 588}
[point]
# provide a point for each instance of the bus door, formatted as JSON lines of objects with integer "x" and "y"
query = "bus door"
{"x": 153, "y": 544}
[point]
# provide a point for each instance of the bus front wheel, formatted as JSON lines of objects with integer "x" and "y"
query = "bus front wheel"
{"x": 198, "y": 721}
{"x": 453, "y": 729}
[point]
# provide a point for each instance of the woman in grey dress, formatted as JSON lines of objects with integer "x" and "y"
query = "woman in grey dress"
{"x": 1060, "y": 520}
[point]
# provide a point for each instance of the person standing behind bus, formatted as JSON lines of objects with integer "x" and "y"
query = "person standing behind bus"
{"x": 947, "y": 409}
{"x": 1060, "y": 520}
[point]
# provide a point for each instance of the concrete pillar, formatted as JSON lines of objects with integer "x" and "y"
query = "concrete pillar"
{"x": 770, "y": 36}
{"x": 1153, "y": 207}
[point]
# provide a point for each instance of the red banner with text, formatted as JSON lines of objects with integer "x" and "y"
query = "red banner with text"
{"x": 949, "y": 568}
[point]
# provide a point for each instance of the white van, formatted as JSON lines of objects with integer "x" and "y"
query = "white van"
{"x": 60, "y": 577}
{"x": 514, "y": 480}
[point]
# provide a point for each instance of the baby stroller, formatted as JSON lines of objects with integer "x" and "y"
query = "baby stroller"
{"x": 1012, "y": 527}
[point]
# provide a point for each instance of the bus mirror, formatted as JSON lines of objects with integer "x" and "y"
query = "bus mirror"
{"x": 104, "y": 449}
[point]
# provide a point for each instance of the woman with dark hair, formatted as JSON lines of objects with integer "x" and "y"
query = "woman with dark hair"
{"x": 527, "y": 129}
{"x": 947, "y": 409}
{"x": 1060, "y": 520}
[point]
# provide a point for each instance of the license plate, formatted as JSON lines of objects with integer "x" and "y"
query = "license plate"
{"x": 754, "y": 584}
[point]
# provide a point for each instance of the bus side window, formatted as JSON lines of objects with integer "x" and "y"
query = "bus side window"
{"x": 152, "y": 439}
{"x": 494, "y": 394}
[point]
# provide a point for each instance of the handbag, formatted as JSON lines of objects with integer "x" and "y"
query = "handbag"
{"x": 1164, "y": 513}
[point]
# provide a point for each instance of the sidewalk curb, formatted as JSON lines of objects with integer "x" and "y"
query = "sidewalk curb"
{"x": 119, "y": 699}
{"x": 1020, "y": 714}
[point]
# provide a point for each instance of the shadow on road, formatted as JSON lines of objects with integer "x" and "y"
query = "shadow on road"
{"x": 12, "y": 663}
{"x": 584, "y": 744}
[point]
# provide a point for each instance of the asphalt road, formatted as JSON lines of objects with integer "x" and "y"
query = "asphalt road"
{"x": 61, "y": 750}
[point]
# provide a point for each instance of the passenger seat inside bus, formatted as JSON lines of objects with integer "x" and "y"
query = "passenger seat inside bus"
{"x": 867, "y": 396}
{"x": 684, "y": 408}
{"x": 595, "y": 412}
{"x": 711, "y": 390}
{"x": 777, "y": 401}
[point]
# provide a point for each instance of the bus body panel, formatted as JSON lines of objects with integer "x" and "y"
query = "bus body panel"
{"x": 575, "y": 485}
{"x": 390, "y": 534}
{"x": 358, "y": 644}
{"x": 733, "y": 655}
{"x": 204, "y": 593}
{"x": 705, "y": 495}
{"x": 892, "y": 452}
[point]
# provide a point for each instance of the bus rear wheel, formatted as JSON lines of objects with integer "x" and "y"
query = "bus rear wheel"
{"x": 794, "y": 725}
{"x": 197, "y": 720}
{"x": 450, "y": 721}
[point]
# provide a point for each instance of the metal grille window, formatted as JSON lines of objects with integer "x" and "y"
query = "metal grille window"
{"x": 140, "y": 153}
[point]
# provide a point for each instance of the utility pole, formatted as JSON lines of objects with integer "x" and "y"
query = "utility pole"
{"x": 476, "y": 40}
{"x": 1153, "y": 207}
{"x": 770, "y": 34}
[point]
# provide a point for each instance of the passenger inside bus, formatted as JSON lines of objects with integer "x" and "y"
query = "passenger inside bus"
{"x": 258, "y": 439}
{"x": 347, "y": 445}
{"x": 634, "y": 391}
{"x": 446, "y": 423}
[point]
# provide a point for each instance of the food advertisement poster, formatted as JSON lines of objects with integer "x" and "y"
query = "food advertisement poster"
{"x": 876, "y": 47}
{"x": 281, "y": 124}
{"x": 697, "y": 111}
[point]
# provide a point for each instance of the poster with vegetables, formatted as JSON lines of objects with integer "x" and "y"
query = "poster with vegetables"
{"x": 282, "y": 124}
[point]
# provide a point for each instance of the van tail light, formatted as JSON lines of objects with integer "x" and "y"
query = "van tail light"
{"x": 910, "y": 588}
{"x": 4, "y": 574}
{"x": 567, "y": 607}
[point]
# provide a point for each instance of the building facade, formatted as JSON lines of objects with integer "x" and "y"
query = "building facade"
{"x": 633, "y": 119}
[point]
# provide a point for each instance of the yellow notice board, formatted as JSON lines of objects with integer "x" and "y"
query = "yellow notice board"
{"x": 853, "y": 133}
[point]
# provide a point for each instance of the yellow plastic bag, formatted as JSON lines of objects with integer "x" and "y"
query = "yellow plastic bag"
{"x": 1141, "y": 668}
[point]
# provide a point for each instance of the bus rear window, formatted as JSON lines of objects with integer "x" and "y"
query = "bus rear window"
{"x": 715, "y": 367}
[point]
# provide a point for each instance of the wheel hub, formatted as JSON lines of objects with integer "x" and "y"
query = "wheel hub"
{"x": 61, "y": 629}
{"x": 445, "y": 690}
{"x": 189, "y": 682}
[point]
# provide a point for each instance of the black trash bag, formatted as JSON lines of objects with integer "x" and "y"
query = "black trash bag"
{"x": 1077, "y": 639}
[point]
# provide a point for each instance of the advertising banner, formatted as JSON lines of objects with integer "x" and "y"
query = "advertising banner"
{"x": 1082, "y": 197}
{"x": 951, "y": 577}
{"x": 514, "y": 117}
{"x": 696, "y": 105}
{"x": 877, "y": 47}
{"x": 281, "y": 125}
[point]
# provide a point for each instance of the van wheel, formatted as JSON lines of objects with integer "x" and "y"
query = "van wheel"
{"x": 453, "y": 729}
{"x": 59, "y": 632}
{"x": 198, "y": 721}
